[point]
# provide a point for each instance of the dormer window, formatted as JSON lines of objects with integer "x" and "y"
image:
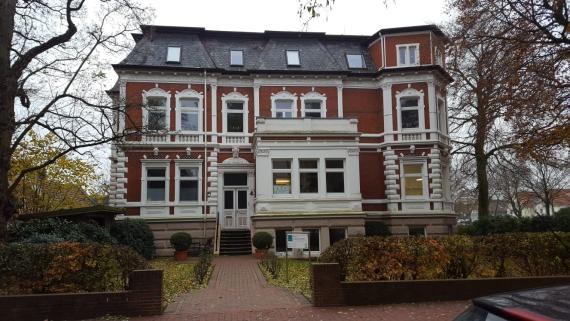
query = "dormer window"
{"x": 293, "y": 58}
{"x": 173, "y": 54}
{"x": 236, "y": 58}
{"x": 355, "y": 61}
{"x": 408, "y": 55}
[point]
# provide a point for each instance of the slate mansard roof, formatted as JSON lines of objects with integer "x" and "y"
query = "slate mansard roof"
{"x": 265, "y": 52}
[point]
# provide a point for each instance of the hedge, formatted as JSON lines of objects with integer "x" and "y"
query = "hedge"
{"x": 452, "y": 257}
{"x": 510, "y": 224}
{"x": 135, "y": 233}
{"x": 65, "y": 267}
{"x": 53, "y": 230}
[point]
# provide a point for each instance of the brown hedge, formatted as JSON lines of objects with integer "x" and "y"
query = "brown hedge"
{"x": 452, "y": 257}
{"x": 65, "y": 267}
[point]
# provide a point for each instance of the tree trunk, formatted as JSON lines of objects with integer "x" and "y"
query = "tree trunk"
{"x": 8, "y": 86}
{"x": 482, "y": 182}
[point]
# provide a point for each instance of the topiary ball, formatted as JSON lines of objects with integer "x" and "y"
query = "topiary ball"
{"x": 262, "y": 240}
{"x": 181, "y": 241}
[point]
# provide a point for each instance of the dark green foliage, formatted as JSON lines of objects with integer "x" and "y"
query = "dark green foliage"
{"x": 65, "y": 267}
{"x": 262, "y": 240}
{"x": 376, "y": 228}
{"x": 135, "y": 233}
{"x": 511, "y": 224}
{"x": 53, "y": 230}
{"x": 181, "y": 241}
{"x": 202, "y": 268}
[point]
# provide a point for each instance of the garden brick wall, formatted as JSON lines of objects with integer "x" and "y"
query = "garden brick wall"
{"x": 143, "y": 297}
{"x": 328, "y": 290}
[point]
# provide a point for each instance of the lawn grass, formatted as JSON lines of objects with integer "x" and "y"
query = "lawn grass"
{"x": 299, "y": 276}
{"x": 178, "y": 278}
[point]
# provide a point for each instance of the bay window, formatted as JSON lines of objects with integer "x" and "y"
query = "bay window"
{"x": 309, "y": 175}
{"x": 409, "y": 112}
{"x": 281, "y": 169}
{"x": 156, "y": 113}
{"x": 414, "y": 179}
{"x": 408, "y": 55}
{"x": 334, "y": 175}
{"x": 235, "y": 117}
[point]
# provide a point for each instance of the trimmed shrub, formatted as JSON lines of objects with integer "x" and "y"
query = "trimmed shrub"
{"x": 135, "y": 233}
{"x": 262, "y": 240}
{"x": 65, "y": 267}
{"x": 455, "y": 257}
{"x": 181, "y": 241}
{"x": 53, "y": 230}
{"x": 376, "y": 228}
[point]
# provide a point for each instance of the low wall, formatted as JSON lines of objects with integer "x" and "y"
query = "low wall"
{"x": 164, "y": 228}
{"x": 143, "y": 297}
{"x": 328, "y": 290}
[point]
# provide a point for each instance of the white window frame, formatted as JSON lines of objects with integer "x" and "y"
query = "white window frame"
{"x": 310, "y": 170}
{"x": 232, "y": 63}
{"x": 173, "y": 54}
{"x": 423, "y": 176}
{"x": 411, "y": 92}
{"x": 187, "y": 163}
{"x": 441, "y": 112}
{"x": 298, "y": 57}
{"x": 314, "y": 96}
{"x": 283, "y": 95}
{"x": 407, "y": 63}
{"x": 335, "y": 170}
{"x": 155, "y": 163}
{"x": 439, "y": 56}
{"x": 231, "y": 98}
{"x": 156, "y": 92}
{"x": 361, "y": 58}
{"x": 283, "y": 170}
{"x": 189, "y": 93}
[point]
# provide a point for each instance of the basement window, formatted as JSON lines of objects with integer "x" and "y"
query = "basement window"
{"x": 173, "y": 55}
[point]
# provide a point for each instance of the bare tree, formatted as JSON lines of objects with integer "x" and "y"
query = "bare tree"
{"x": 499, "y": 100}
{"x": 507, "y": 173}
{"x": 53, "y": 58}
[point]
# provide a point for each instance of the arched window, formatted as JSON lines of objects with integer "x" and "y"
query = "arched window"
{"x": 410, "y": 105}
{"x": 189, "y": 111}
{"x": 313, "y": 105}
{"x": 283, "y": 105}
{"x": 234, "y": 108}
{"x": 156, "y": 110}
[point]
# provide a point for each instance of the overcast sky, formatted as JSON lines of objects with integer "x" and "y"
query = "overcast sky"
{"x": 360, "y": 17}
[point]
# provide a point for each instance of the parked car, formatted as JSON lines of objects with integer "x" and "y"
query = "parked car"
{"x": 544, "y": 304}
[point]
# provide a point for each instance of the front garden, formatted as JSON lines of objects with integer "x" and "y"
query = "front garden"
{"x": 419, "y": 258}
{"x": 52, "y": 255}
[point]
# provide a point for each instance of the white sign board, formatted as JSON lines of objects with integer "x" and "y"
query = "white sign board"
{"x": 298, "y": 240}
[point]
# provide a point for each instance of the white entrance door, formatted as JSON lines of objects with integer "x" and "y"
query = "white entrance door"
{"x": 235, "y": 208}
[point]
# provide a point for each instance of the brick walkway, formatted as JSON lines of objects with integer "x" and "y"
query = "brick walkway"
{"x": 238, "y": 291}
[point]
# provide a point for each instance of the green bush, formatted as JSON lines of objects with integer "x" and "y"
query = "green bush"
{"x": 53, "y": 230}
{"x": 135, "y": 233}
{"x": 262, "y": 240}
{"x": 65, "y": 267}
{"x": 181, "y": 241}
{"x": 511, "y": 224}
{"x": 455, "y": 257}
{"x": 376, "y": 228}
